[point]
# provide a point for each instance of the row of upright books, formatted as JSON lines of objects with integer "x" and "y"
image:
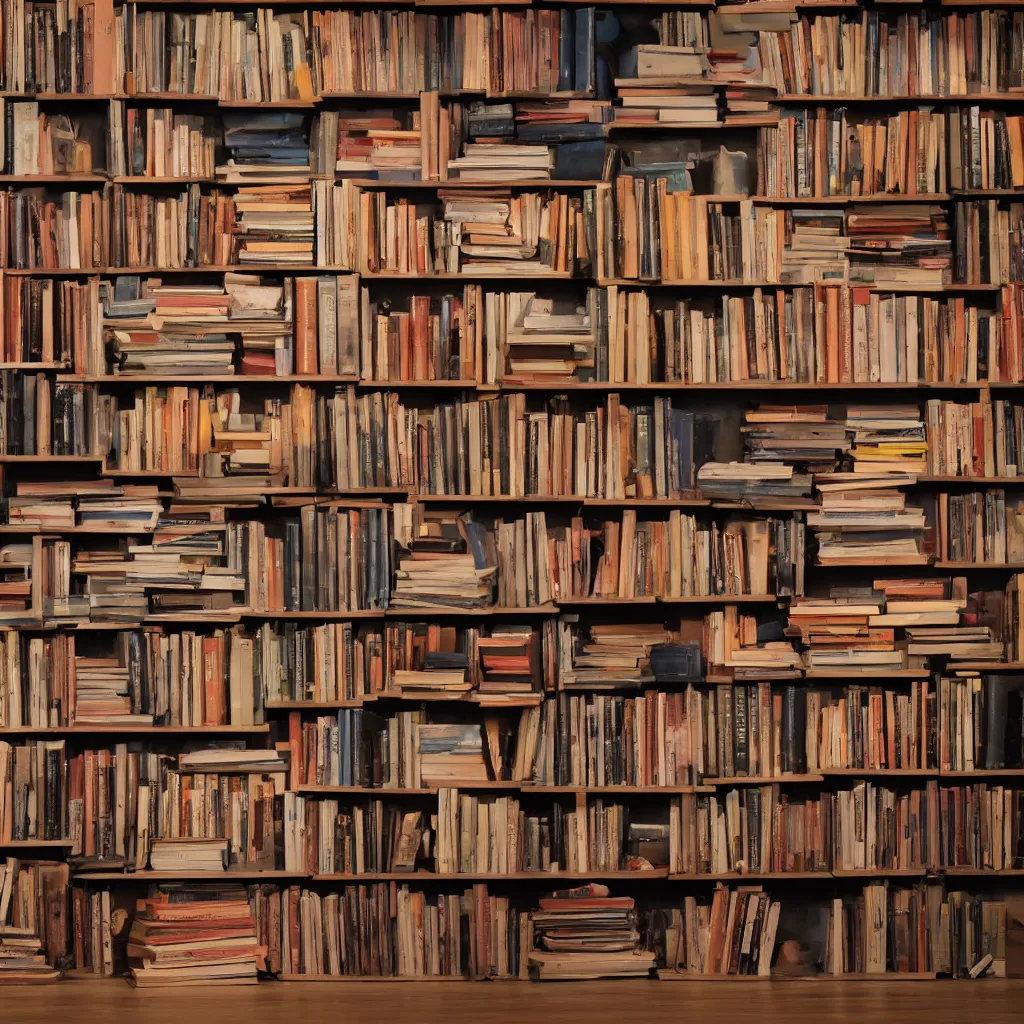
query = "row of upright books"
{"x": 213, "y": 932}
{"x": 632, "y": 229}
{"x": 331, "y": 326}
{"x": 301, "y": 55}
{"x": 211, "y": 810}
{"x": 485, "y": 446}
{"x": 810, "y": 153}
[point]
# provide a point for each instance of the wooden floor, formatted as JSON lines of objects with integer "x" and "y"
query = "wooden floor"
{"x": 635, "y": 1002}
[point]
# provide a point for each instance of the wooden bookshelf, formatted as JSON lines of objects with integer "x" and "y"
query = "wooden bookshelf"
{"x": 331, "y": 422}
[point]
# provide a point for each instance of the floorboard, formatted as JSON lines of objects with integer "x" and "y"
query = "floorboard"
{"x": 594, "y": 1002}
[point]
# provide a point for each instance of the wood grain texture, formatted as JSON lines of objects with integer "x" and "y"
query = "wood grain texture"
{"x": 594, "y": 1002}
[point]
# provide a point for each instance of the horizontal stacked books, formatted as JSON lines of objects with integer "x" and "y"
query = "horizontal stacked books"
{"x": 586, "y": 933}
{"x": 192, "y": 935}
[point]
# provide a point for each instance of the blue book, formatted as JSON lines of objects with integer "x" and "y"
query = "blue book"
{"x": 345, "y": 757}
{"x": 583, "y": 159}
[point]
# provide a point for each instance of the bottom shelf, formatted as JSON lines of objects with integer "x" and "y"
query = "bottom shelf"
{"x": 660, "y": 975}
{"x": 666, "y": 975}
{"x": 348, "y": 978}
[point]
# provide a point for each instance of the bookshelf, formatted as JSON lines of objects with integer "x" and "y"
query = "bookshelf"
{"x": 384, "y": 386}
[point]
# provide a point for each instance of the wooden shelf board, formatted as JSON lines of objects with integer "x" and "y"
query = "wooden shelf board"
{"x": 880, "y": 872}
{"x": 134, "y": 730}
{"x": 668, "y": 975}
{"x": 970, "y": 566}
{"x": 762, "y": 780}
{"x": 311, "y": 705}
{"x": 184, "y": 876}
{"x": 214, "y": 378}
{"x": 508, "y": 786}
{"x": 656, "y": 874}
{"x": 938, "y": 99}
{"x": 753, "y": 876}
{"x": 335, "y": 979}
{"x": 987, "y": 666}
{"x": 386, "y": 184}
{"x": 36, "y": 844}
{"x": 841, "y": 674}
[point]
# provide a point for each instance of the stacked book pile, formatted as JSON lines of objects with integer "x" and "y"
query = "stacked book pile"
{"x": 450, "y": 755}
{"x": 197, "y": 329}
{"x": 267, "y": 146}
{"x": 274, "y": 224}
{"x": 746, "y": 482}
{"x": 610, "y": 655}
{"x": 749, "y": 104}
{"x": 93, "y": 504}
{"x": 548, "y": 340}
{"x": 443, "y": 674}
{"x": 816, "y": 249}
{"x": 22, "y": 957}
{"x": 586, "y": 933}
{"x": 102, "y": 694}
{"x": 129, "y": 585}
{"x": 955, "y": 642}
{"x": 444, "y": 561}
{"x": 895, "y": 246}
{"x": 752, "y": 650}
{"x": 562, "y": 121}
{"x": 842, "y": 631}
{"x": 509, "y": 664}
{"x": 189, "y": 854}
{"x": 864, "y": 520}
{"x": 887, "y": 439}
{"x": 803, "y": 434}
{"x": 666, "y": 87}
{"x": 501, "y": 161}
{"x": 183, "y": 331}
{"x": 944, "y": 620}
{"x": 575, "y": 128}
{"x": 373, "y": 145}
{"x": 17, "y": 568}
{"x": 195, "y": 934}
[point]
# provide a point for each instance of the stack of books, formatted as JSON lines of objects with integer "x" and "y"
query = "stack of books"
{"x": 787, "y": 434}
{"x": 895, "y": 246}
{"x": 549, "y": 339}
{"x": 586, "y": 933}
{"x": 746, "y": 482}
{"x": 450, "y": 755}
{"x": 274, "y": 224}
{"x": 841, "y": 632}
{"x": 509, "y": 664}
{"x": 269, "y": 146}
{"x": 444, "y": 561}
{"x": 816, "y": 247}
{"x": 887, "y": 439}
{"x": 372, "y": 144}
{"x": 22, "y": 957}
{"x": 864, "y": 520}
{"x": 610, "y": 655}
{"x": 197, "y": 934}
{"x": 189, "y": 854}
{"x": 501, "y": 161}
{"x": 666, "y": 85}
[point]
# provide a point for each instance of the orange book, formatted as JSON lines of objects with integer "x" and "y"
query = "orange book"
{"x": 305, "y": 326}
{"x": 214, "y": 697}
